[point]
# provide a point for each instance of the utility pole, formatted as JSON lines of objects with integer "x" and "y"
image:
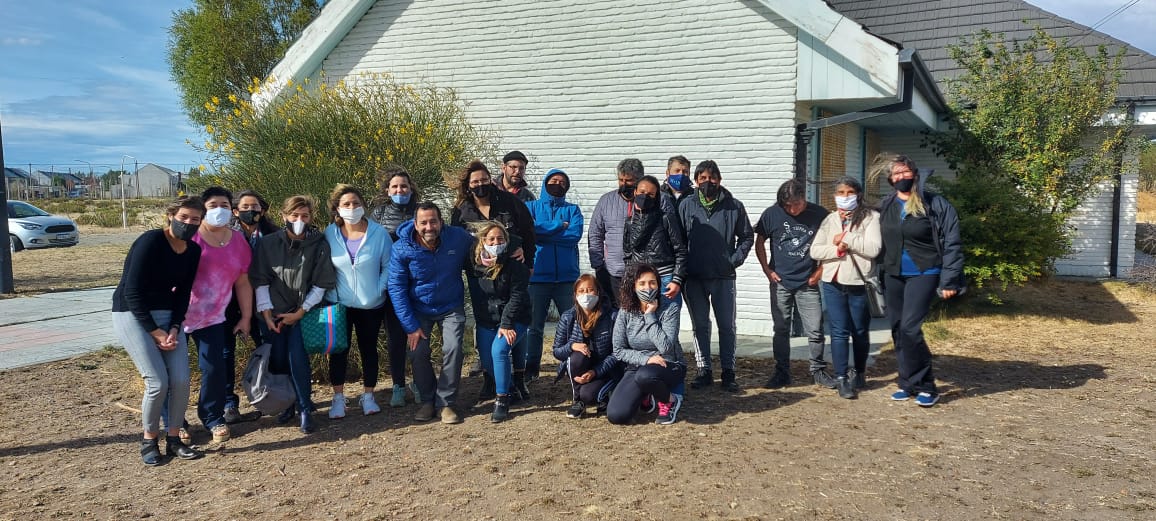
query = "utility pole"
{"x": 6, "y": 285}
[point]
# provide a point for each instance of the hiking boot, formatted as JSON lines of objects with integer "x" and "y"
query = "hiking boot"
{"x": 487, "y": 392}
{"x": 668, "y": 411}
{"x": 927, "y": 399}
{"x": 501, "y": 409}
{"x": 859, "y": 381}
{"x": 175, "y": 448}
{"x": 647, "y": 405}
{"x": 780, "y": 379}
{"x": 337, "y": 410}
{"x": 845, "y": 387}
{"x": 519, "y": 385}
{"x": 398, "y": 397}
{"x": 728, "y": 381}
{"x": 577, "y": 410}
{"x": 450, "y": 416}
{"x": 425, "y": 412}
{"x": 220, "y": 433}
{"x": 823, "y": 379}
{"x": 476, "y": 368}
{"x": 150, "y": 453}
{"x": 703, "y": 379}
{"x": 232, "y": 415}
{"x": 368, "y": 404}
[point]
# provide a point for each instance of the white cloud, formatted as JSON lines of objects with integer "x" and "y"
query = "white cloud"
{"x": 21, "y": 41}
{"x": 94, "y": 17}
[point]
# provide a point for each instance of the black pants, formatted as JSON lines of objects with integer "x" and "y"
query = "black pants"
{"x": 908, "y": 301}
{"x": 367, "y": 323}
{"x": 638, "y": 382}
{"x": 396, "y": 338}
{"x": 587, "y": 392}
{"x": 608, "y": 285}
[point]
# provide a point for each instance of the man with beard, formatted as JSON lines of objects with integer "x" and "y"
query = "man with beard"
{"x": 513, "y": 178}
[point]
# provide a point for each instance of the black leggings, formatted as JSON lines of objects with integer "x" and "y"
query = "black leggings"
{"x": 367, "y": 323}
{"x": 638, "y": 382}
{"x": 396, "y": 338}
{"x": 587, "y": 392}
{"x": 908, "y": 301}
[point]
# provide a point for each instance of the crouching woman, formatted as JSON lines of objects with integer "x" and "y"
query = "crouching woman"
{"x": 583, "y": 343}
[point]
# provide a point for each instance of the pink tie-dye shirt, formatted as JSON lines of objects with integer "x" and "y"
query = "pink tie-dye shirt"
{"x": 213, "y": 288}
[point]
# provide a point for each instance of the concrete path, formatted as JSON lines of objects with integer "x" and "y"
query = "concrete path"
{"x": 55, "y": 326}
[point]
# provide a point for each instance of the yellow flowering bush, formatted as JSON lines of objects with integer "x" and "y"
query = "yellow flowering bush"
{"x": 321, "y": 133}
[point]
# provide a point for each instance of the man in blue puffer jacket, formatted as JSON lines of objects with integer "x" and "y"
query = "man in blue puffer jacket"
{"x": 425, "y": 285}
{"x": 558, "y": 228}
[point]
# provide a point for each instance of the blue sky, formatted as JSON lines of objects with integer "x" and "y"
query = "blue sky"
{"x": 87, "y": 79}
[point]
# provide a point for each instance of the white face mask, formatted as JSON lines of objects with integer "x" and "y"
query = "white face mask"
{"x": 847, "y": 203}
{"x": 218, "y": 217}
{"x": 495, "y": 249}
{"x": 587, "y": 301}
{"x": 351, "y": 215}
{"x": 297, "y": 227}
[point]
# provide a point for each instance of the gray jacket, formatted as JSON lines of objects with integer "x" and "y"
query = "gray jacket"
{"x": 718, "y": 241}
{"x": 291, "y": 267}
{"x": 606, "y": 227}
{"x": 639, "y": 336}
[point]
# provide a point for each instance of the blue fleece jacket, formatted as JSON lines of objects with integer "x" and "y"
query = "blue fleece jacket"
{"x": 424, "y": 282}
{"x": 557, "y": 245}
{"x": 360, "y": 284}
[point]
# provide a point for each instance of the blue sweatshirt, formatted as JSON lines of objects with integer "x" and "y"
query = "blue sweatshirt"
{"x": 360, "y": 283}
{"x": 557, "y": 247}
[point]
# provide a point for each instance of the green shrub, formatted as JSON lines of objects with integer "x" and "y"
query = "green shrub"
{"x": 105, "y": 218}
{"x": 315, "y": 137}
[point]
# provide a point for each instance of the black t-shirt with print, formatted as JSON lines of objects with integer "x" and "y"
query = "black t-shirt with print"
{"x": 791, "y": 241}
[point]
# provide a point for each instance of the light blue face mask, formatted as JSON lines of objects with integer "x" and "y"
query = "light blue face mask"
{"x": 401, "y": 199}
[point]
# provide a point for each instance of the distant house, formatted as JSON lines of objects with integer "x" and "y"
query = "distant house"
{"x": 153, "y": 180}
{"x": 1106, "y": 224}
{"x": 17, "y": 184}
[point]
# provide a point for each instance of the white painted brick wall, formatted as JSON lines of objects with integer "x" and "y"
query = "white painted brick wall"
{"x": 580, "y": 85}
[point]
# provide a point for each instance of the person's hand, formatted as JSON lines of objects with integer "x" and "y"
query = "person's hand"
{"x": 243, "y": 327}
{"x": 565, "y": 225}
{"x": 158, "y": 335}
{"x": 649, "y": 307}
{"x": 288, "y": 319}
{"x": 581, "y": 348}
{"x": 771, "y": 275}
{"x": 814, "y": 278}
{"x": 169, "y": 342}
{"x": 842, "y": 248}
{"x": 584, "y": 378}
{"x": 947, "y": 293}
{"x": 510, "y": 335}
{"x": 656, "y": 360}
{"x": 273, "y": 325}
{"x": 414, "y": 338}
{"x": 518, "y": 255}
{"x": 838, "y": 238}
{"x": 672, "y": 290}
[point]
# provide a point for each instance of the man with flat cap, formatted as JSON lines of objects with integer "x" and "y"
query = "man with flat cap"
{"x": 513, "y": 178}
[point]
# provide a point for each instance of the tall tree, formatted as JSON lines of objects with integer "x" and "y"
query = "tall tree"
{"x": 218, "y": 47}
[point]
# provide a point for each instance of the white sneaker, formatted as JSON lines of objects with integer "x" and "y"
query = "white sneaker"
{"x": 337, "y": 410}
{"x": 368, "y": 405}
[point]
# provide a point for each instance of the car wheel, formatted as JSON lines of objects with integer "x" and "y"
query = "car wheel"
{"x": 14, "y": 244}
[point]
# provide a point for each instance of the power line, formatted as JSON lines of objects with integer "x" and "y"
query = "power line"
{"x": 1104, "y": 19}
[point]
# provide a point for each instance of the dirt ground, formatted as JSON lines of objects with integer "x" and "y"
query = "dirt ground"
{"x": 1047, "y": 414}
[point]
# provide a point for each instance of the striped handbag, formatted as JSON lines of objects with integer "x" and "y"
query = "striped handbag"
{"x": 323, "y": 330}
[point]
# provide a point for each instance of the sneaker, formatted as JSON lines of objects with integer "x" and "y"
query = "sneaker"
{"x": 368, "y": 404}
{"x": 780, "y": 379}
{"x": 600, "y": 409}
{"x": 417, "y": 398}
{"x": 668, "y": 412}
{"x": 647, "y": 405}
{"x": 901, "y": 396}
{"x": 450, "y": 416}
{"x": 577, "y": 410}
{"x": 232, "y": 415}
{"x": 425, "y": 412}
{"x": 823, "y": 379}
{"x": 704, "y": 379}
{"x": 846, "y": 390}
{"x": 337, "y": 410}
{"x": 397, "y": 399}
{"x": 728, "y": 381}
{"x": 501, "y": 409}
{"x": 927, "y": 399}
{"x": 220, "y": 432}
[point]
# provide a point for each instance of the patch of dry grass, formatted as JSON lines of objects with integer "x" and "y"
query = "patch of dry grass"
{"x": 1146, "y": 207}
{"x": 63, "y": 269}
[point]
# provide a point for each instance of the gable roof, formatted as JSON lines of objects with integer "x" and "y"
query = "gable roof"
{"x": 930, "y": 26}
{"x": 15, "y": 173}
{"x": 153, "y": 166}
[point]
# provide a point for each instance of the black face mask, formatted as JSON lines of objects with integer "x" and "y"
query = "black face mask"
{"x": 482, "y": 191}
{"x": 709, "y": 189}
{"x": 904, "y": 185}
{"x": 556, "y": 190}
{"x": 627, "y": 191}
{"x": 644, "y": 202}
{"x": 182, "y": 230}
{"x": 249, "y": 217}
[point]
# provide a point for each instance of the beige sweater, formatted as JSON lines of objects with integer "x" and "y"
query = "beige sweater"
{"x": 865, "y": 244}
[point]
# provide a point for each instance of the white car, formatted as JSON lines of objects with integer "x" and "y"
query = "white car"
{"x": 30, "y": 227}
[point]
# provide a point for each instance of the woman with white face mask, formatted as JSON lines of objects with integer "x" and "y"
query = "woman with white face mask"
{"x": 499, "y": 291}
{"x": 359, "y": 249}
{"x": 583, "y": 343}
{"x": 846, "y": 245}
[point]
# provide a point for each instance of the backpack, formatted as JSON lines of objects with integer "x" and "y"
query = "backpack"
{"x": 268, "y": 392}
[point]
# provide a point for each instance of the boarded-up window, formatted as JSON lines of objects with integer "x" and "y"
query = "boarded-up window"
{"x": 832, "y": 161}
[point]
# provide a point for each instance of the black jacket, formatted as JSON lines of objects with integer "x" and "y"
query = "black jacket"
{"x": 508, "y": 210}
{"x": 390, "y": 215}
{"x": 719, "y": 240}
{"x": 600, "y": 340}
{"x": 655, "y": 237}
{"x": 503, "y": 301}
{"x": 931, "y": 240}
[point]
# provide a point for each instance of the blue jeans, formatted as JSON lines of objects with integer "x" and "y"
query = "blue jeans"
{"x": 496, "y": 359}
{"x": 541, "y": 294}
{"x": 289, "y": 349}
{"x": 211, "y": 343}
{"x": 850, "y": 320}
{"x": 677, "y": 300}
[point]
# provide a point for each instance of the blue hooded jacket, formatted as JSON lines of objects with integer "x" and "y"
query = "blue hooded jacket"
{"x": 557, "y": 246}
{"x": 424, "y": 283}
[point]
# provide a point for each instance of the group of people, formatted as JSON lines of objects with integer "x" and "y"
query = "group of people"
{"x": 220, "y": 268}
